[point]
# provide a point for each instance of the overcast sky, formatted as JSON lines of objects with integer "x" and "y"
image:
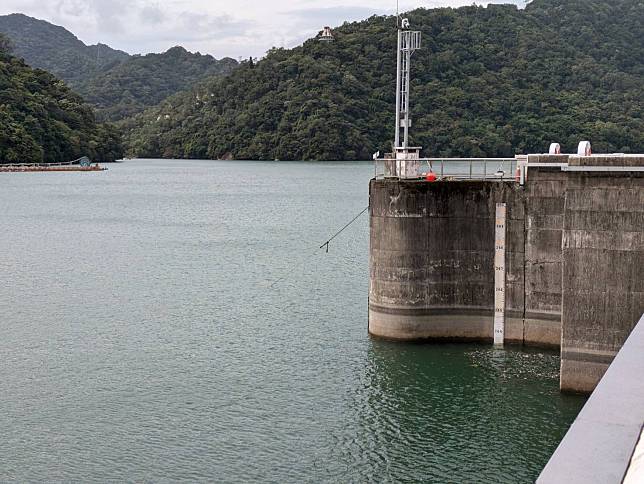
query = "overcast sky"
{"x": 219, "y": 27}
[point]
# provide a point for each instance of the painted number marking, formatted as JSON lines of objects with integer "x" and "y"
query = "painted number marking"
{"x": 499, "y": 275}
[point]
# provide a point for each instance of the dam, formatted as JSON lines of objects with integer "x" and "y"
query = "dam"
{"x": 535, "y": 250}
{"x": 539, "y": 249}
{"x": 574, "y": 257}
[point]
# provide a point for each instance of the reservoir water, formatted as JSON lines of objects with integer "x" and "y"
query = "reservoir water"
{"x": 175, "y": 320}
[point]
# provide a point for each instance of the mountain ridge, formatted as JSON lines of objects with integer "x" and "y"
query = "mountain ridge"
{"x": 55, "y": 49}
{"x": 491, "y": 81}
{"x": 42, "y": 120}
{"x": 116, "y": 83}
{"x": 143, "y": 81}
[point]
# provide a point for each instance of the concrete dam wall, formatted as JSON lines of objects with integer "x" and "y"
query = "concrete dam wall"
{"x": 603, "y": 273}
{"x": 574, "y": 262}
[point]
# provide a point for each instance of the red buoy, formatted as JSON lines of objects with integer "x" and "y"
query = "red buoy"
{"x": 431, "y": 176}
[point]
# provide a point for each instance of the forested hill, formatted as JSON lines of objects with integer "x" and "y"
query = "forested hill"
{"x": 143, "y": 81}
{"x": 42, "y": 120}
{"x": 57, "y": 50}
{"x": 117, "y": 84}
{"x": 489, "y": 82}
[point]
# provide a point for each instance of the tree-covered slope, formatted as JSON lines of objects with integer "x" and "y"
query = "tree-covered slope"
{"x": 57, "y": 50}
{"x": 489, "y": 82}
{"x": 143, "y": 81}
{"x": 117, "y": 84}
{"x": 42, "y": 120}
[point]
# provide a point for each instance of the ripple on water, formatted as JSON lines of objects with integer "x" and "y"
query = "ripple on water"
{"x": 181, "y": 326}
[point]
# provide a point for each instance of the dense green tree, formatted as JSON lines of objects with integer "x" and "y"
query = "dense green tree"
{"x": 143, "y": 81}
{"x": 6, "y": 45}
{"x": 489, "y": 81}
{"x": 116, "y": 84}
{"x": 42, "y": 120}
{"x": 57, "y": 50}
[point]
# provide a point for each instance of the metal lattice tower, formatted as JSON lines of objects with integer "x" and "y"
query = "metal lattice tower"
{"x": 408, "y": 43}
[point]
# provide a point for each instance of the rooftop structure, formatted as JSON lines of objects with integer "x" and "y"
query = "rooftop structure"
{"x": 326, "y": 35}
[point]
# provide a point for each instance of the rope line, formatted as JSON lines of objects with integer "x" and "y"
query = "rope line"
{"x": 343, "y": 229}
{"x": 326, "y": 244}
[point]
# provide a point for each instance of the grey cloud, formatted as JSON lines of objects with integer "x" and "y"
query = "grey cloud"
{"x": 203, "y": 27}
{"x": 110, "y": 14}
{"x": 152, "y": 15}
{"x": 155, "y": 25}
{"x": 465, "y": 3}
{"x": 148, "y": 23}
{"x": 195, "y": 31}
{"x": 331, "y": 15}
{"x": 71, "y": 8}
{"x": 107, "y": 15}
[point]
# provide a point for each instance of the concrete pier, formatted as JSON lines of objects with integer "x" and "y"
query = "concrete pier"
{"x": 574, "y": 259}
{"x": 432, "y": 263}
{"x": 603, "y": 273}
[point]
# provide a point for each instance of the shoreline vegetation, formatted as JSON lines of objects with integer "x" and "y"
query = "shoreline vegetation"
{"x": 44, "y": 121}
{"x": 489, "y": 82}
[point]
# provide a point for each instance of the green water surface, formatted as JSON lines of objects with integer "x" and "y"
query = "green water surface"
{"x": 175, "y": 321}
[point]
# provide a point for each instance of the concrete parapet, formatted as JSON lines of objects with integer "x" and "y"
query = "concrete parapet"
{"x": 600, "y": 444}
{"x": 546, "y": 158}
{"x": 606, "y": 160}
{"x": 635, "y": 471}
{"x": 594, "y": 160}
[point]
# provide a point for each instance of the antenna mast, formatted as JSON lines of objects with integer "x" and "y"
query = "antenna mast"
{"x": 404, "y": 162}
{"x": 397, "y": 14}
{"x": 408, "y": 43}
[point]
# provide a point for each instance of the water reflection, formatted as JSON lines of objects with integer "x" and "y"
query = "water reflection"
{"x": 458, "y": 412}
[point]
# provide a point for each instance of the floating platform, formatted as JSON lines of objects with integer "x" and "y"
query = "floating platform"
{"x": 41, "y": 168}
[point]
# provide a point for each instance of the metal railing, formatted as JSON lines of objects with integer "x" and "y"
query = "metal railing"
{"x": 446, "y": 169}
